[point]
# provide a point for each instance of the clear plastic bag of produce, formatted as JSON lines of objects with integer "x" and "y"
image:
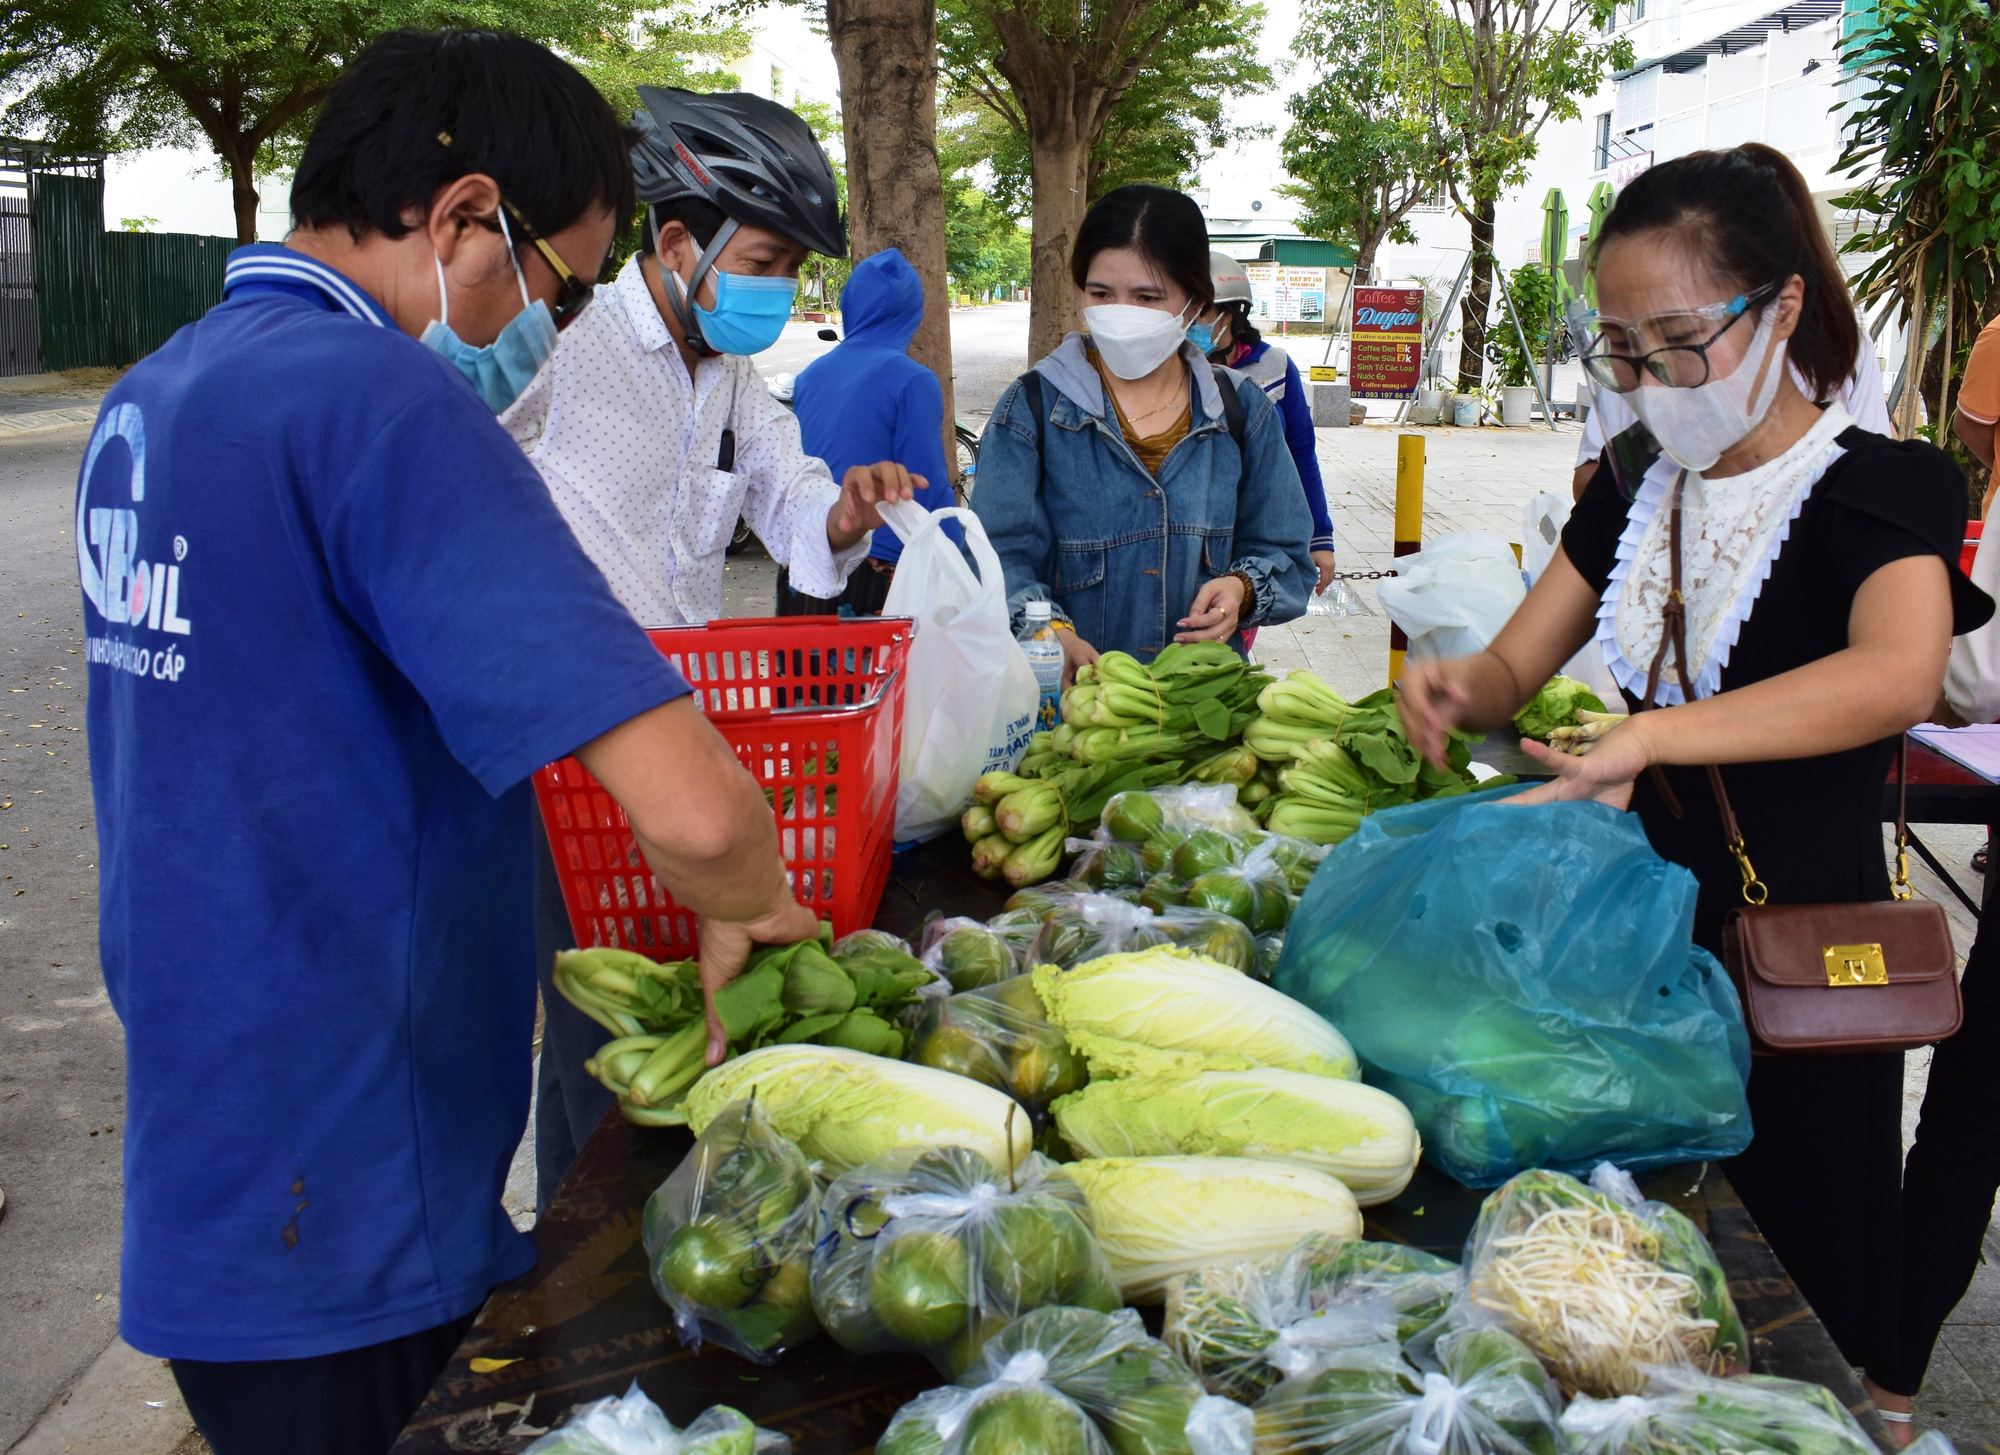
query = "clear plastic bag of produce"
{"x": 999, "y": 1035}
{"x": 1489, "y": 1398}
{"x": 1685, "y": 1413}
{"x": 1523, "y": 979}
{"x": 1604, "y": 1286}
{"x": 933, "y": 1250}
{"x": 1244, "y": 1326}
{"x": 1137, "y": 1398}
{"x": 1254, "y": 890}
{"x": 1089, "y": 926}
{"x": 967, "y": 955}
{"x": 1137, "y": 815}
{"x": 634, "y": 1425}
{"x": 729, "y": 1238}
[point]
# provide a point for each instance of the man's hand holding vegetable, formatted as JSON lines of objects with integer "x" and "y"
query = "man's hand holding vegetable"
{"x": 707, "y": 833}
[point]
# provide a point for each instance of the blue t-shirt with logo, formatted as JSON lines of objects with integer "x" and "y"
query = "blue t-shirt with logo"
{"x": 334, "y": 623}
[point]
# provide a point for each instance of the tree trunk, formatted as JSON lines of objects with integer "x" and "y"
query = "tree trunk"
{"x": 1478, "y": 300}
{"x": 886, "y": 51}
{"x": 241, "y": 161}
{"x": 1061, "y": 166}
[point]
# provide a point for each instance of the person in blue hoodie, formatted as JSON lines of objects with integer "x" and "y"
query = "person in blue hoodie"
{"x": 867, "y": 399}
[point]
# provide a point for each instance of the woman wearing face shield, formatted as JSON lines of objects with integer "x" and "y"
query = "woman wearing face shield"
{"x": 1821, "y": 593}
{"x": 1146, "y": 494}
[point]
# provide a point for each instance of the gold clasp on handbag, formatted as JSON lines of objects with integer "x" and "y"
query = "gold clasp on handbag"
{"x": 1855, "y": 965}
{"x": 1754, "y": 891}
{"x": 1900, "y": 886}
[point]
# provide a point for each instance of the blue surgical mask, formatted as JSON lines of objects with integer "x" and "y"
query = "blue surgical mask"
{"x": 1202, "y": 336}
{"x": 750, "y": 313}
{"x": 501, "y": 369}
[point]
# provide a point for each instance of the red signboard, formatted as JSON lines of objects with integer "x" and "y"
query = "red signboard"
{"x": 1387, "y": 357}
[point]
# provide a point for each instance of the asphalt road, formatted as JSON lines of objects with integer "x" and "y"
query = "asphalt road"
{"x": 989, "y": 349}
{"x": 62, "y": 1063}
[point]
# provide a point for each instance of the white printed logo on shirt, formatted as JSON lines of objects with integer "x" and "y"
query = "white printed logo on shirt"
{"x": 127, "y": 590}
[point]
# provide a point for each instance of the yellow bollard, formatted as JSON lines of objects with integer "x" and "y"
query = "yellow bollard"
{"x": 1409, "y": 527}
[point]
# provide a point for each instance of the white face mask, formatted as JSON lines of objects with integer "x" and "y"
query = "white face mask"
{"x": 1694, "y": 426}
{"x": 1134, "y": 341}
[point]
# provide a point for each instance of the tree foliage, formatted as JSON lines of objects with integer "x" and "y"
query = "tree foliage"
{"x": 244, "y": 77}
{"x": 1362, "y": 150}
{"x": 1499, "y": 70}
{"x": 1055, "y": 72}
{"x": 1927, "y": 136}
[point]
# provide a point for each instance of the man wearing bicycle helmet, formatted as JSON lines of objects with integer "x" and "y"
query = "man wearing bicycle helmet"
{"x": 654, "y": 433}
{"x": 650, "y": 424}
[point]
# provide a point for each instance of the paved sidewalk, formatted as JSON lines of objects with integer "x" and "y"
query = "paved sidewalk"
{"x": 1474, "y": 479}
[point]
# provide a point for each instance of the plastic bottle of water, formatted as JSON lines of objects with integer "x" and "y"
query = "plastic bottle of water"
{"x": 1045, "y": 654}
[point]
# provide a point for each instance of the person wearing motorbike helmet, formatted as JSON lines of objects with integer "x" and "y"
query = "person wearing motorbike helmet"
{"x": 1225, "y": 333}
{"x": 654, "y": 433}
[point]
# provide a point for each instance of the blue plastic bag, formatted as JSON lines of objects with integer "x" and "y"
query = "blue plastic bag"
{"x": 1524, "y": 980}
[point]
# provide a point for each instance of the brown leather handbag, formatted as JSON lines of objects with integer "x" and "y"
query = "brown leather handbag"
{"x": 1820, "y": 979}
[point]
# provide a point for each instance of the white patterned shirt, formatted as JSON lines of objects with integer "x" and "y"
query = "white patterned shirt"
{"x": 627, "y": 444}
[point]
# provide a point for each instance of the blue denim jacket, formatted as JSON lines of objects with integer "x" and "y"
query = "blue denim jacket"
{"x": 1119, "y": 553}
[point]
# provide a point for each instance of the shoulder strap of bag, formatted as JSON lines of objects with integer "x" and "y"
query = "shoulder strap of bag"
{"x": 1232, "y": 415}
{"x": 1674, "y": 634}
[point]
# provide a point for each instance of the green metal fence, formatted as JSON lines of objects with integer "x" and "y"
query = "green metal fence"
{"x": 111, "y": 298}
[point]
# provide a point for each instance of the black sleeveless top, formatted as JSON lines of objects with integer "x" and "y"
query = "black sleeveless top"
{"x": 1812, "y": 826}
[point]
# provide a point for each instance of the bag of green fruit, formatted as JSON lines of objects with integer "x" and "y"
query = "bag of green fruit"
{"x": 1090, "y": 926}
{"x": 1254, "y": 890}
{"x": 1137, "y": 815}
{"x": 729, "y": 1238}
{"x": 1139, "y": 1398}
{"x": 634, "y": 1425}
{"x": 1103, "y": 865}
{"x": 970, "y": 955}
{"x": 999, "y": 1035}
{"x": 933, "y": 1250}
{"x": 1682, "y": 1411}
{"x": 1244, "y": 1326}
{"x": 1491, "y": 1398}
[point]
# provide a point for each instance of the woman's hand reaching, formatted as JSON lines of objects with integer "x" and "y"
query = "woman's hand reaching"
{"x": 1604, "y": 775}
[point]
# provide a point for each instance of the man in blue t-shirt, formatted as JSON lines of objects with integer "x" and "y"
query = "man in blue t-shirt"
{"x": 334, "y": 623}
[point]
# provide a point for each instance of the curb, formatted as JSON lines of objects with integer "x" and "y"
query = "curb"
{"x": 41, "y": 421}
{"x": 126, "y": 1401}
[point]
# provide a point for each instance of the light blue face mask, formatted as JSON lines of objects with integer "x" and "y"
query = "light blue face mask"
{"x": 750, "y": 313}
{"x": 1202, "y": 336}
{"x": 500, "y": 370}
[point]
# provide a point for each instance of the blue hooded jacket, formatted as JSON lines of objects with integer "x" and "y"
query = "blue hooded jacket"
{"x": 867, "y": 400}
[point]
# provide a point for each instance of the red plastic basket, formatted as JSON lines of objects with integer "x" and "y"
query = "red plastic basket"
{"x": 1973, "y": 530}
{"x": 813, "y": 707}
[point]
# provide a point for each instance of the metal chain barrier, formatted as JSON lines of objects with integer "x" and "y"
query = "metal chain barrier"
{"x": 1361, "y": 575}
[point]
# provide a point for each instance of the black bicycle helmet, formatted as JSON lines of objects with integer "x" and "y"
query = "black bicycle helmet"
{"x": 752, "y": 158}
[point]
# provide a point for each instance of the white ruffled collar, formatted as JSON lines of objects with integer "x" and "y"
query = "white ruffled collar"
{"x": 1731, "y": 532}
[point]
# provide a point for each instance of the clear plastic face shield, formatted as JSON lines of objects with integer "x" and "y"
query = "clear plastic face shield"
{"x": 1677, "y": 361}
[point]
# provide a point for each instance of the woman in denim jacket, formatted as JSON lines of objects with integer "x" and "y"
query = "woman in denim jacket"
{"x": 1110, "y": 479}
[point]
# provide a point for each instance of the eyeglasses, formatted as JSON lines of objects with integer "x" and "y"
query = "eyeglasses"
{"x": 1679, "y": 366}
{"x": 575, "y": 291}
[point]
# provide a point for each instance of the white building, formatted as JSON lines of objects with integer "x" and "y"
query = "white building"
{"x": 1704, "y": 75}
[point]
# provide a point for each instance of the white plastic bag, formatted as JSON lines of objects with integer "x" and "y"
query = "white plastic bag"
{"x": 1542, "y": 521}
{"x": 1452, "y": 597}
{"x": 970, "y": 703}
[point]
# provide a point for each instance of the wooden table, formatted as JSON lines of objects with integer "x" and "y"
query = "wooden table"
{"x": 585, "y": 1323}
